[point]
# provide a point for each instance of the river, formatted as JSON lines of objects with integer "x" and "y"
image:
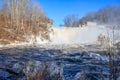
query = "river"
{"x": 55, "y": 64}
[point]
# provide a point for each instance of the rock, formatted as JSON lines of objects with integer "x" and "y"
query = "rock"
{"x": 56, "y": 70}
{"x": 80, "y": 76}
{"x": 4, "y": 74}
{"x": 17, "y": 68}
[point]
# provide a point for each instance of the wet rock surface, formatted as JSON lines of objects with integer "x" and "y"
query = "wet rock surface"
{"x": 53, "y": 64}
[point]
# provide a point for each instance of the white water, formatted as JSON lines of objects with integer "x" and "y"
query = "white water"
{"x": 78, "y": 35}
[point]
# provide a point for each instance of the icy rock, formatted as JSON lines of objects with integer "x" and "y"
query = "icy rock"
{"x": 33, "y": 67}
{"x": 17, "y": 67}
{"x": 56, "y": 70}
{"x": 52, "y": 53}
{"x": 4, "y": 74}
{"x": 98, "y": 56}
{"x": 29, "y": 67}
{"x": 79, "y": 76}
{"x": 92, "y": 56}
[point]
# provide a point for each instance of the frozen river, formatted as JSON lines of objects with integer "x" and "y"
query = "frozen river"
{"x": 59, "y": 64}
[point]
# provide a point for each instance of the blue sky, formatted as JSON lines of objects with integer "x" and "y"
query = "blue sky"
{"x": 58, "y": 9}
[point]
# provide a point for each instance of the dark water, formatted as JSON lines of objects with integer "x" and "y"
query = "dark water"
{"x": 67, "y": 64}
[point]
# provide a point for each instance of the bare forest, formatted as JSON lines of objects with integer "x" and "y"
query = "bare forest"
{"x": 20, "y": 19}
{"x": 109, "y": 15}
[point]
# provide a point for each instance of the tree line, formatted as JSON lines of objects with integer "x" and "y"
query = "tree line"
{"x": 106, "y": 15}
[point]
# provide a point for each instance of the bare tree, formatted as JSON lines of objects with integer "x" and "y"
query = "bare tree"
{"x": 112, "y": 53}
{"x": 103, "y": 40}
{"x": 71, "y": 21}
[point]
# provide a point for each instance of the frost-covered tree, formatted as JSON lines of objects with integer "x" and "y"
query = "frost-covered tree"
{"x": 107, "y": 15}
{"x": 103, "y": 40}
